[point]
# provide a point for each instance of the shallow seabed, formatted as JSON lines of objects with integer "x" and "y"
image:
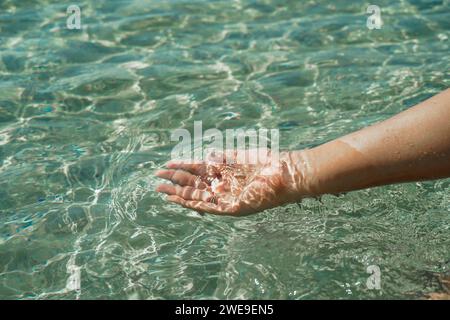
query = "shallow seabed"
{"x": 86, "y": 117}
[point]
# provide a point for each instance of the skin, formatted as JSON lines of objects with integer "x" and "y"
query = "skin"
{"x": 413, "y": 145}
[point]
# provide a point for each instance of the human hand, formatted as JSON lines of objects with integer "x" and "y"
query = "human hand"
{"x": 223, "y": 187}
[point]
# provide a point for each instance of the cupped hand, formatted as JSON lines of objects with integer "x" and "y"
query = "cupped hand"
{"x": 224, "y": 187}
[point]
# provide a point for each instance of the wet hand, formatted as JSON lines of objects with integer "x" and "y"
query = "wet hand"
{"x": 224, "y": 187}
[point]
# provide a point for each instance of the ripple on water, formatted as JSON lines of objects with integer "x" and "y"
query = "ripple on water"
{"x": 86, "y": 117}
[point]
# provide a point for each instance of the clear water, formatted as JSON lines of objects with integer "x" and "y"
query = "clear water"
{"x": 86, "y": 117}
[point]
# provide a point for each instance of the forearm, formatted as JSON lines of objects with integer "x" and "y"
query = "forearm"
{"x": 413, "y": 145}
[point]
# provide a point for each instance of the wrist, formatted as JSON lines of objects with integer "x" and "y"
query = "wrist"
{"x": 297, "y": 175}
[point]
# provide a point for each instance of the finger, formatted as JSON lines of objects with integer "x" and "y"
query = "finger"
{"x": 197, "y": 168}
{"x": 198, "y": 206}
{"x": 182, "y": 178}
{"x": 221, "y": 187}
{"x": 187, "y": 193}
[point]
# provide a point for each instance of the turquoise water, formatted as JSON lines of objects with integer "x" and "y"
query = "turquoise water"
{"x": 86, "y": 117}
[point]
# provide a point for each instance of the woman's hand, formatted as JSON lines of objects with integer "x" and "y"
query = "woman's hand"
{"x": 224, "y": 187}
{"x": 414, "y": 145}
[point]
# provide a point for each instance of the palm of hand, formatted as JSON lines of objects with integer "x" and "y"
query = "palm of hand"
{"x": 223, "y": 188}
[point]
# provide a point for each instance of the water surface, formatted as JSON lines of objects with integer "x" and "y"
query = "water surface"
{"x": 86, "y": 117}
